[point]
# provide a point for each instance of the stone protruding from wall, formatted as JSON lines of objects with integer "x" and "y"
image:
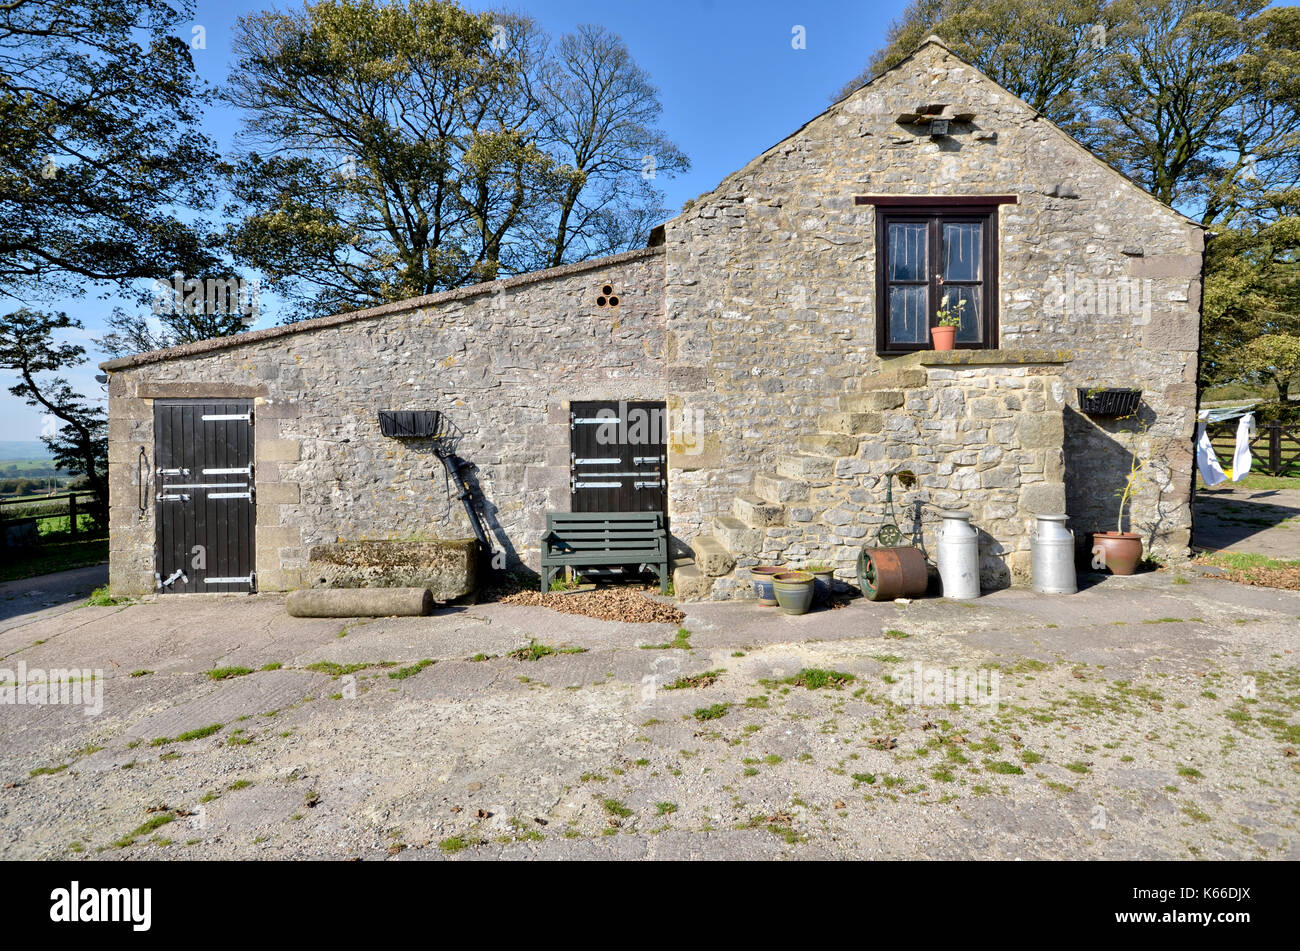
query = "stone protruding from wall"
{"x": 982, "y": 431}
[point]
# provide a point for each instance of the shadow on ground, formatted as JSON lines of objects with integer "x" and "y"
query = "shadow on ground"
{"x": 53, "y": 593}
{"x": 1258, "y": 521}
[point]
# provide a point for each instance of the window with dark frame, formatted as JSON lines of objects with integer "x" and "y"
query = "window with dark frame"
{"x": 932, "y": 253}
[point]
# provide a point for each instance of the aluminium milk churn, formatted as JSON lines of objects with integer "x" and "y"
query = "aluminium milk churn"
{"x": 959, "y": 556}
{"x": 1053, "y": 556}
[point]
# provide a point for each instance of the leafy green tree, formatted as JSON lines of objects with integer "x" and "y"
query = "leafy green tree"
{"x": 80, "y": 446}
{"x": 407, "y": 148}
{"x": 99, "y": 105}
{"x": 1275, "y": 359}
{"x": 377, "y": 182}
{"x": 1252, "y": 290}
{"x": 183, "y": 310}
{"x": 1039, "y": 50}
{"x": 1199, "y": 101}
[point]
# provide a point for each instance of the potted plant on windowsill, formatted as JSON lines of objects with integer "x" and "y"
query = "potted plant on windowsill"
{"x": 944, "y": 335}
{"x": 1120, "y": 551}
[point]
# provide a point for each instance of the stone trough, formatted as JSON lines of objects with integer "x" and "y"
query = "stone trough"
{"x": 448, "y": 568}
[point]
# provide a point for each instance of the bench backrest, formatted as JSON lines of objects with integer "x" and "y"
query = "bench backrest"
{"x": 605, "y": 531}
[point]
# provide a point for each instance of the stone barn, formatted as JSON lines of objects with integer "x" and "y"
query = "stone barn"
{"x": 774, "y": 335}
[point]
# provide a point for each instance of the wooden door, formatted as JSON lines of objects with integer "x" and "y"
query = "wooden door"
{"x": 205, "y": 514}
{"x": 618, "y": 456}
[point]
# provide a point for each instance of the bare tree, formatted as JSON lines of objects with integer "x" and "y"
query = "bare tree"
{"x": 601, "y": 120}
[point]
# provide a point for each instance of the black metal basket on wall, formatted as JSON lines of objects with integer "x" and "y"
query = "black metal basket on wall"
{"x": 1109, "y": 402}
{"x": 410, "y": 423}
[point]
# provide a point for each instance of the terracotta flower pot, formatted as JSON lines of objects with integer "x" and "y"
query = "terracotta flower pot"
{"x": 943, "y": 337}
{"x": 1120, "y": 551}
{"x": 761, "y": 575}
{"x": 794, "y": 591}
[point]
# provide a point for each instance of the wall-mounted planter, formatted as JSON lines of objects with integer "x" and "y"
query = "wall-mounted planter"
{"x": 1111, "y": 401}
{"x": 410, "y": 424}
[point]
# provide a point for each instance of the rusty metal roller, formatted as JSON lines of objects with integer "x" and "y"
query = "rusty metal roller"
{"x": 888, "y": 573}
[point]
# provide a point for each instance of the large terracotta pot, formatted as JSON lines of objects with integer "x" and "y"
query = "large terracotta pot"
{"x": 943, "y": 337}
{"x": 1120, "y": 551}
{"x": 794, "y": 591}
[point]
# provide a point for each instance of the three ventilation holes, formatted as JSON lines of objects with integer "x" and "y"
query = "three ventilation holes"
{"x": 607, "y": 297}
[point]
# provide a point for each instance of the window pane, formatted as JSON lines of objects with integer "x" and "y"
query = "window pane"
{"x": 907, "y": 251}
{"x": 908, "y": 320}
{"x": 971, "y": 318}
{"x": 963, "y": 250}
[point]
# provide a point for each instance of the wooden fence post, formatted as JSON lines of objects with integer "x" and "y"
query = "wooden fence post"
{"x": 72, "y": 513}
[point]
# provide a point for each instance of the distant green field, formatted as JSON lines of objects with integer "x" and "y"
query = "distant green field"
{"x": 21, "y": 477}
{"x": 59, "y": 549}
{"x": 26, "y": 467}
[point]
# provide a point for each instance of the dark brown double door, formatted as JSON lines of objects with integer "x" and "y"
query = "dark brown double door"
{"x": 618, "y": 456}
{"x": 203, "y": 495}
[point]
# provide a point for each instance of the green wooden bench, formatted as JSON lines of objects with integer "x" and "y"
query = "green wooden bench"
{"x": 604, "y": 539}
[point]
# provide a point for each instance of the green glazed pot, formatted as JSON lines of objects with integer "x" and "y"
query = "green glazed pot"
{"x": 794, "y": 591}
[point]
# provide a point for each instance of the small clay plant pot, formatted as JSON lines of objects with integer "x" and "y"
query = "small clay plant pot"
{"x": 762, "y": 578}
{"x": 1119, "y": 551}
{"x": 943, "y": 337}
{"x": 794, "y": 591}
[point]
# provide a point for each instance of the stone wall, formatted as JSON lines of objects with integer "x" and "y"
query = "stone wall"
{"x": 502, "y": 360}
{"x": 770, "y": 289}
{"x": 755, "y": 321}
{"x": 982, "y": 432}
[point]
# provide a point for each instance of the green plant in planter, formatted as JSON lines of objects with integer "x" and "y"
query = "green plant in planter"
{"x": 1120, "y": 551}
{"x": 1138, "y": 476}
{"x": 947, "y": 316}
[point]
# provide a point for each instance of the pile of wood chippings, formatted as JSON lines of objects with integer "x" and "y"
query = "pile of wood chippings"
{"x": 1265, "y": 577}
{"x": 610, "y": 604}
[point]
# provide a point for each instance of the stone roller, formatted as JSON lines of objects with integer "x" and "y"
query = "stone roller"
{"x": 360, "y": 602}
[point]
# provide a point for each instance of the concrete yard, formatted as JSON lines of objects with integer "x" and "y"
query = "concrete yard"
{"x": 1152, "y": 717}
{"x": 1253, "y": 521}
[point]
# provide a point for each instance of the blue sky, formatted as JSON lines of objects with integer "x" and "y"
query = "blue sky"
{"x": 731, "y": 82}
